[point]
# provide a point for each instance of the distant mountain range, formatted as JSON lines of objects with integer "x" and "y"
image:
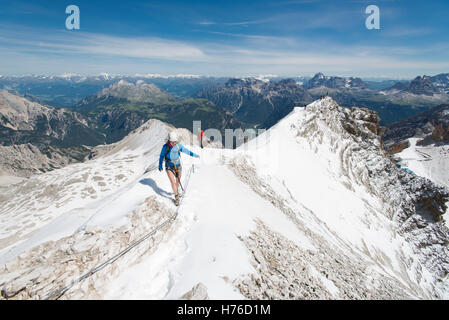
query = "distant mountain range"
{"x": 398, "y": 101}
{"x": 256, "y": 102}
{"x": 262, "y": 103}
{"x": 52, "y": 137}
{"x": 105, "y": 108}
{"x": 425, "y": 85}
{"x": 123, "y": 107}
{"x": 421, "y": 85}
{"x": 67, "y": 90}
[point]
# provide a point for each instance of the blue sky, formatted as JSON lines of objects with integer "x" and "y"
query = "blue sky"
{"x": 226, "y": 38}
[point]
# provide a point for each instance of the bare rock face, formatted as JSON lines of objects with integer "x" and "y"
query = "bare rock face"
{"x": 25, "y": 160}
{"x": 430, "y": 126}
{"x": 23, "y": 121}
{"x": 398, "y": 147}
{"x": 441, "y": 134}
{"x": 198, "y": 292}
{"x": 288, "y": 272}
{"x": 362, "y": 122}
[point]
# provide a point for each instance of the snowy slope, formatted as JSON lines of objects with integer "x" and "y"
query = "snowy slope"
{"x": 311, "y": 209}
{"x": 430, "y": 161}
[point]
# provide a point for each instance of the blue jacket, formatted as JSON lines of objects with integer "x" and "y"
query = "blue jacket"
{"x": 173, "y": 155}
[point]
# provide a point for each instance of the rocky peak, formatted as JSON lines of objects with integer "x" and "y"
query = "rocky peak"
{"x": 139, "y": 92}
{"x": 422, "y": 85}
{"x": 441, "y": 81}
{"x": 359, "y": 124}
{"x": 320, "y": 80}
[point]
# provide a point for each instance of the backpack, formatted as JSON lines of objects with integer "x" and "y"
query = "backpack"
{"x": 167, "y": 150}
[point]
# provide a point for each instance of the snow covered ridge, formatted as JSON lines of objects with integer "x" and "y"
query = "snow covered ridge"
{"x": 312, "y": 208}
{"x": 416, "y": 204}
{"x": 394, "y": 204}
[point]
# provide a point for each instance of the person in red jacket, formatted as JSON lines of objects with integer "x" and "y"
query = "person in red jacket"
{"x": 200, "y": 137}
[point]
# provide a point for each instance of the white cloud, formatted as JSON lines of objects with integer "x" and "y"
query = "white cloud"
{"x": 98, "y": 44}
{"x": 75, "y": 52}
{"x": 137, "y": 47}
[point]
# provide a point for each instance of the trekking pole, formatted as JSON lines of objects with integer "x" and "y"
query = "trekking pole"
{"x": 177, "y": 175}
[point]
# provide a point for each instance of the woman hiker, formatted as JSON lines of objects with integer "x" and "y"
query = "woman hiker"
{"x": 171, "y": 153}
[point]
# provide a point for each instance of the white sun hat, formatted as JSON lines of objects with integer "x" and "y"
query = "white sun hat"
{"x": 173, "y": 136}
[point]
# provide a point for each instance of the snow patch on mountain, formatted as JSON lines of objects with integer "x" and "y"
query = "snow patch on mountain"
{"x": 431, "y": 162}
{"x": 157, "y": 75}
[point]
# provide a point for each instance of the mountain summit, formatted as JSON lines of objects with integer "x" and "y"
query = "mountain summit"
{"x": 422, "y": 86}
